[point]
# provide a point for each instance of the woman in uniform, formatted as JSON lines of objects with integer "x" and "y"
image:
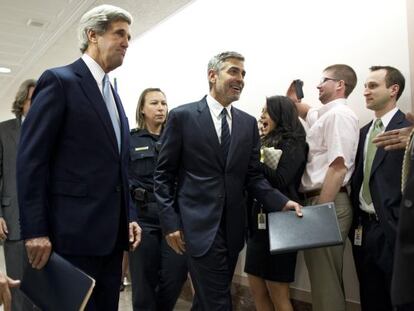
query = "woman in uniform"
{"x": 157, "y": 272}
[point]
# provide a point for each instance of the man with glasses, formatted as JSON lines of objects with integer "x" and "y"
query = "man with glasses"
{"x": 333, "y": 139}
{"x": 14, "y": 251}
{"x": 376, "y": 190}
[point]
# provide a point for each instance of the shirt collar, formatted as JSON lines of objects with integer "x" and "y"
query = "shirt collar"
{"x": 96, "y": 70}
{"x": 216, "y": 108}
{"x": 336, "y": 102}
{"x": 386, "y": 118}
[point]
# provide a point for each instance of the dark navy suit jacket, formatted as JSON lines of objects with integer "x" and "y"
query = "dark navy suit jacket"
{"x": 385, "y": 180}
{"x": 403, "y": 277}
{"x": 194, "y": 185}
{"x": 72, "y": 180}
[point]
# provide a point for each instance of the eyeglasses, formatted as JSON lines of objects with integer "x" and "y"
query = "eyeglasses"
{"x": 324, "y": 79}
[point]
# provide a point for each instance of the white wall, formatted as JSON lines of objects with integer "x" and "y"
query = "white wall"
{"x": 282, "y": 41}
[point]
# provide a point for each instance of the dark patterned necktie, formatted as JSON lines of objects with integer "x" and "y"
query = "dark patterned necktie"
{"x": 225, "y": 133}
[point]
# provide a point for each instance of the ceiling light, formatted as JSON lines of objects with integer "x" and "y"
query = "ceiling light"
{"x": 35, "y": 23}
{"x": 5, "y": 70}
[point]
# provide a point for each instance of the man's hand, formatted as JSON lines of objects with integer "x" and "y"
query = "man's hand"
{"x": 38, "y": 251}
{"x": 3, "y": 229}
{"x": 176, "y": 241}
{"x": 292, "y": 205}
{"x": 302, "y": 108}
{"x": 5, "y": 295}
{"x": 395, "y": 139}
{"x": 134, "y": 235}
{"x": 291, "y": 93}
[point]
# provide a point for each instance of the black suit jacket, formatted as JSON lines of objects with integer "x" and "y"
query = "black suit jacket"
{"x": 72, "y": 180}
{"x": 385, "y": 180}
{"x": 9, "y": 138}
{"x": 192, "y": 173}
{"x": 403, "y": 278}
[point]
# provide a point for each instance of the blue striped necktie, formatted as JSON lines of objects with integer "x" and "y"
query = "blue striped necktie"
{"x": 111, "y": 106}
{"x": 225, "y": 133}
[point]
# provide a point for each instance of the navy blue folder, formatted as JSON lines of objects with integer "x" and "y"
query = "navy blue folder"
{"x": 59, "y": 285}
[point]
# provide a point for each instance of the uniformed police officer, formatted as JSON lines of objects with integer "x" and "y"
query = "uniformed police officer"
{"x": 157, "y": 272}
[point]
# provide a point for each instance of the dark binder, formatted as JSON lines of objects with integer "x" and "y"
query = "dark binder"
{"x": 59, "y": 285}
{"x": 317, "y": 228}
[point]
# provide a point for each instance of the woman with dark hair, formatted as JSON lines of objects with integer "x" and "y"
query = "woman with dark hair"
{"x": 270, "y": 275}
{"x": 157, "y": 272}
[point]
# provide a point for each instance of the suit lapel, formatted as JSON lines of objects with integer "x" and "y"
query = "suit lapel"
{"x": 92, "y": 92}
{"x": 397, "y": 119}
{"x": 209, "y": 131}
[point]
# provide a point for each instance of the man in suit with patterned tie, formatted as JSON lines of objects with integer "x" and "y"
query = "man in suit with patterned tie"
{"x": 208, "y": 158}
{"x": 73, "y": 159}
{"x": 375, "y": 190}
{"x": 14, "y": 251}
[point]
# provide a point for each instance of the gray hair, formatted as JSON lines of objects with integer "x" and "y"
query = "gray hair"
{"x": 98, "y": 19}
{"x": 21, "y": 96}
{"x": 217, "y": 61}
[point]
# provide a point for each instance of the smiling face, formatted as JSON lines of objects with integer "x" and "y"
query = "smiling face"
{"x": 228, "y": 82}
{"x": 109, "y": 49}
{"x": 327, "y": 87}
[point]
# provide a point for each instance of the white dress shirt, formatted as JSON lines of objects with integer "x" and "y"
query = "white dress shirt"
{"x": 98, "y": 74}
{"x": 333, "y": 132}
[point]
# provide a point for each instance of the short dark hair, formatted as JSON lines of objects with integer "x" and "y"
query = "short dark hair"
{"x": 393, "y": 76}
{"x": 21, "y": 96}
{"x": 282, "y": 111}
{"x": 345, "y": 73}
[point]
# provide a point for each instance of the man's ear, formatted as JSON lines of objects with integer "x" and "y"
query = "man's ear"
{"x": 92, "y": 36}
{"x": 394, "y": 90}
{"x": 212, "y": 76}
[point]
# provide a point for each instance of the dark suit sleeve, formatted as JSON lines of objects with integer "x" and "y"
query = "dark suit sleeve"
{"x": 38, "y": 138}
{"x": 165, "y": 174}
{"x": 290, "y": 163}
{"x": 257, "y": 185}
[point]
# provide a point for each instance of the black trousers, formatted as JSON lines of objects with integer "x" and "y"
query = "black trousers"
{"x": 374, "y": 264}
{"x": 212, "y": 275}
{"x": 106, "y": 270}
{"x": 157, "y": 273}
